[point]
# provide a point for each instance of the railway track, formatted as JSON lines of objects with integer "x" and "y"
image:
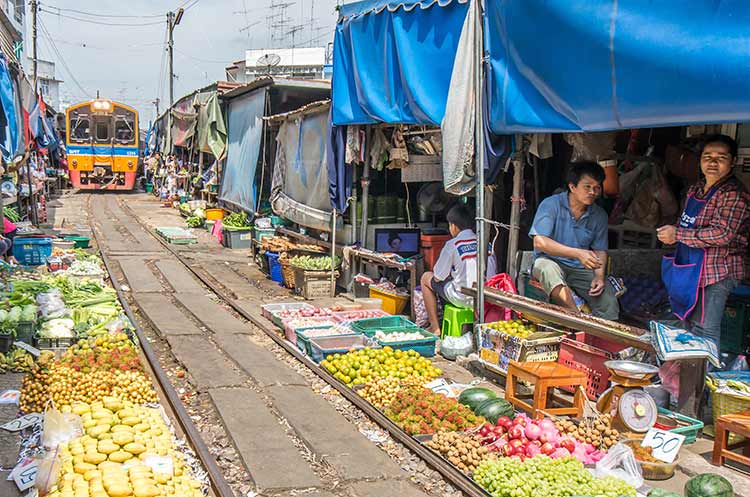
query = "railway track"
{"x": 219, "y": 486}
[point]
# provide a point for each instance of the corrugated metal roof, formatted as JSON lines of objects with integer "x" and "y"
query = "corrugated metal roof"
{"x": 311, "y": 108}
{"x": 271, "y": 81}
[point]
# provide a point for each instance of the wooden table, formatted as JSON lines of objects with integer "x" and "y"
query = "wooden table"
{"x": 545, "y": 376}
{"x": 727, "y": 424}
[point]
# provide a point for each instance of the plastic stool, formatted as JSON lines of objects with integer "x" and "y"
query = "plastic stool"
{"x": 454, "y": 318}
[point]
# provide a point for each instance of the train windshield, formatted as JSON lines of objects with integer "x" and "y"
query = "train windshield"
{"x": 79, "y": 129}
{"x": 124, "y": 126}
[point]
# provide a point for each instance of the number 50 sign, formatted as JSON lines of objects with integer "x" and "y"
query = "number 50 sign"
{"x": 665, "y": 444}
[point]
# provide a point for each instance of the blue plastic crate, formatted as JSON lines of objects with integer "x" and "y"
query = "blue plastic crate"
{"x": 32, "y": 251}
{"x": 274, "y": 267}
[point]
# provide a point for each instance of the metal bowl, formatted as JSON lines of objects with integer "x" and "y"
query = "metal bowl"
{"x": 631, "y": 369}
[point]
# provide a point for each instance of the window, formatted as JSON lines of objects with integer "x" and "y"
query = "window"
{"x": 44, "y": 87}
{"x": 124, "y": 130}
{"x": 18, "y": 10}
{"x": 102, "y": 131}
{"x": 80, "y": 130}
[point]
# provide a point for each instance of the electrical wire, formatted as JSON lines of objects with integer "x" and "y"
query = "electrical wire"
{"x": 124, "y": 48}
{"x": 98, "y": 14}
{"x": 101, "y": 23}
{"x": 184, "y": 54}
{"x": 60, "y": 57}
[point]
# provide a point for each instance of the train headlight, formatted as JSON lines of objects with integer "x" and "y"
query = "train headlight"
{"x": 130, "y": 163}
{"x": 75, "y": 163}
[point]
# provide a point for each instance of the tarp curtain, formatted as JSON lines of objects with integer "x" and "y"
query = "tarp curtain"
{"x": 301, "y": 164}
{"x": 212, "y": 131}
{"x": 184, "y": 121}
{"x": 245, "y": 126}
{"x": 9, "y": 142}
{"x": 394, "y": 65}
{"x": 554, "y": 65}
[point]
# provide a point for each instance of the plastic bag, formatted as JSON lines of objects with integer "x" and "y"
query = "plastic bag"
{"x": 452, "y": 347}
{"x": 620, "y": 462}
{"x": 669, "y": 373}
{"x": 60, "y": 427}
{"x": 47, "y": 472}
{"x": 672, "y": 343}
{"x": 52, "y": 305}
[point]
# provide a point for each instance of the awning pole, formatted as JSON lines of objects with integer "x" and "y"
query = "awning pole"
{"x": 365, "y": 181}
{"x": 333, "y": 254}
{"x": 479, "y": 155}
{"x": 515, "y": 211}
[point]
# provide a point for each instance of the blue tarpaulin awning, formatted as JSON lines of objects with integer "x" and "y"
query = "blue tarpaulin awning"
{"x": 553, "y": 65}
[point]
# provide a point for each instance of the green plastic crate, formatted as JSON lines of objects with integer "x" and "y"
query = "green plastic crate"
{"x": 689, "y": 427}
{"x": 389, "y": 323}
{"x": 425, "y": 346}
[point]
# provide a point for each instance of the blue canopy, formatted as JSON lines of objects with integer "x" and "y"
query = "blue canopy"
{"x": 553, "y": 65}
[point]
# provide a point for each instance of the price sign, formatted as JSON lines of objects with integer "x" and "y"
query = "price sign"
{"x": 19, "y": 424}
{"x": 24, "y": 475}
{"x": 28, "y": 348}
{"x": 665, "y": 444}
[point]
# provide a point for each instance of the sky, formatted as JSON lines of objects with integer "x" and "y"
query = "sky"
{"x": 116, "y": 47}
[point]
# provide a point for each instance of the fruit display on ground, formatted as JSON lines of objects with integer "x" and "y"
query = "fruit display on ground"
{"x": 16, "y": 360}
{"x": 463, "y": 450}
{"x": 596, "y": 431}
{"x": 360, "y": 366}
{"x": 420, "y": 411}
{"x": 115, "y": 457}
{"x": 544, "y": 476}
{"x": 382, "y": 391}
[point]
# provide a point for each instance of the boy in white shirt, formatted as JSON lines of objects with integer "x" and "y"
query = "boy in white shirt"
{"x": 456, "y": 267}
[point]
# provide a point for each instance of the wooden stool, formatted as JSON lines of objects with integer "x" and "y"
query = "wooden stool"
{"x": 738, "y": 423}
{"x": 544, "y": 376}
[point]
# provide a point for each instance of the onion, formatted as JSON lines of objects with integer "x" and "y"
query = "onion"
{"x": 560, "y": 452}
{"x": 532, "y": 450}
{"x": 532, "y": 431}
{"x": 546, "y": 424}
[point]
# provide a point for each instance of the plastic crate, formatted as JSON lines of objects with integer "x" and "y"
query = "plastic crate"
{"x": 303, "y": 341}
{"x": 235, "y": 239}
{"x": 268, "y": 309}
{"x": 25, "y": 332}
{"x": 392, "y": 303}
{"x": 431, "y": 247}
{"x": 5, "y": 342}
{"x": 679, "y": 423}
{"x": 32, "y": 251}
{"x": 81, "y": 242}
{"x": 274, "y": 267}
{"x": 369, "y": 326}
{"x": 497, "y": 349}
{"x": 53, "y": 343}
{"x": 424, "y": 346}
{"x": 261, "y": 233}
{"x": 733, "y": 325}
{"x": 348, "y": 316}
{"x": 214, "y": 214}
{"x": 312, "y": 284}
{"x": 322, "y": 347}
{"x": 588, "y": 353}
{"x": 311, "y": 322}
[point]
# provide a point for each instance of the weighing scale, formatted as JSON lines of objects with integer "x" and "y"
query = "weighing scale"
{"x": 631, "y": 407}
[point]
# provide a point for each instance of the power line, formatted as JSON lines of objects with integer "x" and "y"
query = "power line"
{"x": 100, "y": 23}
{"x": 184, "y": 54}
{"x": 95, "y": 14}
{"x": 60, "y": 57}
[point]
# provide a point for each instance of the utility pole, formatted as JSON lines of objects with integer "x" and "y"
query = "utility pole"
{"x": 156, "y": 103}
{"x": 173, "y": 19}
{"x": 34, "y": 11}
{"x": 34, "y": 6}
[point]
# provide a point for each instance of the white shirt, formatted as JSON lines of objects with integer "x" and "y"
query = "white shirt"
{"x": 458, "y": 260}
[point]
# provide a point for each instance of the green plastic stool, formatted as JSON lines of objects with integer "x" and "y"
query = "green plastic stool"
{"x": 454, "y": 318}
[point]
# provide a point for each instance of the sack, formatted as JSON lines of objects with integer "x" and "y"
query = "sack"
{"x": 59, "y": 427}
{"x": 672, "y": 344}
{"x": 654, "y": 203}
{"x": 620, "y": 463}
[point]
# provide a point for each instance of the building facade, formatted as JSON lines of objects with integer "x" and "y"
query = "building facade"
{"x": 12, "y": 19}
{"x": 299, "y": 63}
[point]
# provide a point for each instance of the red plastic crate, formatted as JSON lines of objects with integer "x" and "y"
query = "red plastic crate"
{"x": 431, "y": 245}
{"x": 588, "y": 353}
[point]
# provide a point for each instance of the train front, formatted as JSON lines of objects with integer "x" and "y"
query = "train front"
{"x": 102, "y": 139}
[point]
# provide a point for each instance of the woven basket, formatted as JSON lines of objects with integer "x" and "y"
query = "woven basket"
{"x": 727, "y": 403}
{"x": 287, "y": 271}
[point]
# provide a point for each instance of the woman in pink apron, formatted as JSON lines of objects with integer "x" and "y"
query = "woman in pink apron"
{"x": 712, "y": 238}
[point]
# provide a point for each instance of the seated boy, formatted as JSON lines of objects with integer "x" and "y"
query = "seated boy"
{"x": 570, "y": 243}
{"x": 456, "y": 267}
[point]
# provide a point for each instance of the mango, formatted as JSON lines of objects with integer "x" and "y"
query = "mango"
{"x": 82, "y": 467}
{"x": 122, "y": 437}
{"x": 94, "y": 457}
{"x": 119, "y": 490}
{"x": 97, "y": 430}
{"x": 117, "y": 428}
{"x": 134, "y": 448}
{"x": 120, "y": 456}
{"x": 107, "y": 447}
{"x": 130, "y": 420}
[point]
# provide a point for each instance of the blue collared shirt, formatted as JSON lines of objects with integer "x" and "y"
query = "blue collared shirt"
{"x": 555, "y": 220}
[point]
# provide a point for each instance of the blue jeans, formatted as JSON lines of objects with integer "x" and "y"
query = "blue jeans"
{"x": 714, "y": 300}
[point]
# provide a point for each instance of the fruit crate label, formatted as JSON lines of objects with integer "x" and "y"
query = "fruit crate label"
{"x": 19, "y": 424}
{"x": 24, "y": 474}
{"x": 665, "y": 445}
{"x": 10, "y": 397}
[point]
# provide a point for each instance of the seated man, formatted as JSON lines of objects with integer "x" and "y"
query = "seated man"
{"x": 456, "y": 266}
{"x": 570, "y": 244}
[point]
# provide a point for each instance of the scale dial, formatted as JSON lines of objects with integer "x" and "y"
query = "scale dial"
{"x": 637, "y": 410}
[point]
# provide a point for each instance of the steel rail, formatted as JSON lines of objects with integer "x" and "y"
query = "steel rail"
{"x": 219, "y": 485}
{"x": 447, "y": 470}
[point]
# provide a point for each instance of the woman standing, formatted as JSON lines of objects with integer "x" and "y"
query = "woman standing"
{"x": 712, "y": 238}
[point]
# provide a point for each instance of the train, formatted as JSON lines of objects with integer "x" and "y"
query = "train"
{"x": 103, "y": 145}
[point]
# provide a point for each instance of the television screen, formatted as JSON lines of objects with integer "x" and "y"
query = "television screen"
{"x": 403, "y": 241}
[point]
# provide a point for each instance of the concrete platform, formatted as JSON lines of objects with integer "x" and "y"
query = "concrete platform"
{"x": 179, "y": 277}
{"x": 164, "y": 316}
{"x": 215, "y": 317}
{"x": 139, "y": 276}
{"x": 271, "y": 458}
{"x": 203, "y": 361}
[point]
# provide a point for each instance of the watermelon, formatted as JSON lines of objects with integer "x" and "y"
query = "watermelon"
{"x": 660, "y": 492}
{"x": 472, "y": 397}
{"x": 708, "y": 485}
{"x": 492, "y": 409}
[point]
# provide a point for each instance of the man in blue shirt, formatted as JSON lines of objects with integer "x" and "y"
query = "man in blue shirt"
{"x": 570, "y": 244}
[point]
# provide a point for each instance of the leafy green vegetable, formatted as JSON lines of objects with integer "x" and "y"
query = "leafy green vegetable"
{"x": 314, "y": 263}
{"x": 194, "y": 222}
{"x": 236, "y": 220}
